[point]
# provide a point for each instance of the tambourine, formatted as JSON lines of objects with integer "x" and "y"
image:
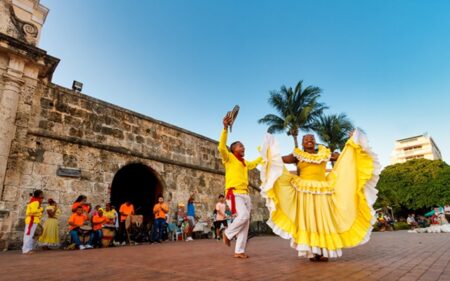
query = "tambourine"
{"x": 232, "y": 115}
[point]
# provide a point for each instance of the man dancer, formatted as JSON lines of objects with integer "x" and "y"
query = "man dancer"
{"x": 236, "y": 188}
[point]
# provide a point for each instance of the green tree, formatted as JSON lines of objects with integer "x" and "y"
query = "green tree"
{"x": 414, "y": 185}
{"x": 297, "y": 108}
{"x": 333, "y": 130}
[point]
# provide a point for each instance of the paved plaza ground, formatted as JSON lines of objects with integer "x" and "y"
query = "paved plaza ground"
{"x": 388, "y": 256}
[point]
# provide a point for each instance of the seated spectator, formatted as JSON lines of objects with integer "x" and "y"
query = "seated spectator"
{"x": 422, "y": 221}
{"x": 434, "y": 220}
{"x": 76, "y": 221}
{"x": 381, "y": 222}
{"x": 412, "y": 221}
{"x": 98, "y": 221}
{"x": 181, "y": 214}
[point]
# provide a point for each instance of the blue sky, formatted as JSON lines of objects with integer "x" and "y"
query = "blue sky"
{"x": 386, "y": 64}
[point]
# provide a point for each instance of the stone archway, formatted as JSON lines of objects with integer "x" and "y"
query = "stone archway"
{"x": 138, "y": 183}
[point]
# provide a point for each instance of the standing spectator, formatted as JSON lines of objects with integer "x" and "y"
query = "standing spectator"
{"x": 181, "y": 214}
{"x": 447, "y": 212}
{"x": 50, "y": 235}
{"x": 228, "y": 213}
{"x": 76, "y": 221}
{"x": 159, "y": 210}
{"x": 220, "y": 216}
{"x": 126, "y": 209}
{"x": 32, "y": 219}
{"x": 190, "y": 217}
{"x": 117, "y": 217}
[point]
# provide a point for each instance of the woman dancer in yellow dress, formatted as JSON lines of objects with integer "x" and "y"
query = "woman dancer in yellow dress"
{"x": 321, "y": 213}
{"x": 50, "y": 235}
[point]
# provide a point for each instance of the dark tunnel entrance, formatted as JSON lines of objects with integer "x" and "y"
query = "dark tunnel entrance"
{"x": 139, "y": 184}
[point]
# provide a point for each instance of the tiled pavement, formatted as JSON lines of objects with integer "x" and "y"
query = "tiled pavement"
{"x": 387, "y": 256}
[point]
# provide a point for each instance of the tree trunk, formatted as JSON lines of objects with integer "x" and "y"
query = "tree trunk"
{"x": 295, "y": 141}
{"x": 296, "y": 146}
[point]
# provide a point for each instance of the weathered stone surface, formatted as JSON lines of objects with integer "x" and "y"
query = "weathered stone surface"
{"x": 44, "y": 127}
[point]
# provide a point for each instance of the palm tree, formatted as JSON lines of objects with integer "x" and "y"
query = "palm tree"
{"x": 296, "y": 110}
{"x": 333, "y": 130}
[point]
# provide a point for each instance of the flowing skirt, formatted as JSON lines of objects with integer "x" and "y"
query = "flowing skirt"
{"x": 50, "y": 235}
{"x": 322, "y": 217}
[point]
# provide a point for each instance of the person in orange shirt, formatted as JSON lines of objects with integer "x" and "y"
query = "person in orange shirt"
{"x": 159, "y": 210}
{"x": 81, "y": 201}
{"x": 126, "y": 209}
{"x": 98, "y": 220}
{"x": 76, "y": 221}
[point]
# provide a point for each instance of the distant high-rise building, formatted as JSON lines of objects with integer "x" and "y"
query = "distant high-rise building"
{"x": 416, "y": 147}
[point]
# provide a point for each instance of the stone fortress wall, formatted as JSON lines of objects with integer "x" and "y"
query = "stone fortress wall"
{"x": 67, "y": 143}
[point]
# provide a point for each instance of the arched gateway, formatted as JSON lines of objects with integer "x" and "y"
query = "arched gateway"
{"x": 138, "y": 183}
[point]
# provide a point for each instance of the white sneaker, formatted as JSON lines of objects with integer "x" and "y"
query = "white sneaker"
{"x": 88, "y": 246}
{"x": 82, "y": 247}
{"x": 124, "y": 243}
{"x": 189, "y": 239}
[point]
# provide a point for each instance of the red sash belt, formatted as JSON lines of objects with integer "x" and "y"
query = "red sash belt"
{"x": 230, "y": 196}
{"x": 30, "y": 225}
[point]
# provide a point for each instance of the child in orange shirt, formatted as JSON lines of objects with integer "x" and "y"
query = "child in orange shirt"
{"x": 98, "y": 220}
{"x": 76, "y": 221}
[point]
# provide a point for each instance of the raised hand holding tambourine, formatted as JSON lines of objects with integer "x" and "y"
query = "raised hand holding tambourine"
{"x": 231, "y": 115}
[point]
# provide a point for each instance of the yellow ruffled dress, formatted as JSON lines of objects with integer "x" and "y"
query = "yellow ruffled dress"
{"x": 321, "y": 213}
{"x": 50, "y": 235}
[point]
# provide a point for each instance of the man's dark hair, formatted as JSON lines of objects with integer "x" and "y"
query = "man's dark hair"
{"x": 221, "y": 196}
{"x": 233, "y": 145}
{"x": 36, "y": 193}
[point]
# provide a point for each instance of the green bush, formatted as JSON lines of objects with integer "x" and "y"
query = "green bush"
{"x": 401, "y": 226}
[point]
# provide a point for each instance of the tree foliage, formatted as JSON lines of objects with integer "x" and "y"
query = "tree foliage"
{"x": 333, "y": 130}
{"x": 297, "y": 109}
{"x": 415, "y": 184}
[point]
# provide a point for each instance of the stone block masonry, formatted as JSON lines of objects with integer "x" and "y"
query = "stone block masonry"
{"x": 46, "y": 129}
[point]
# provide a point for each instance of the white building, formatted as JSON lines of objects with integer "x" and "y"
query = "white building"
{"x": 421, "y": 146}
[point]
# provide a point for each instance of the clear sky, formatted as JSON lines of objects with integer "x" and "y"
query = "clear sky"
{"x": 386, "y": 64}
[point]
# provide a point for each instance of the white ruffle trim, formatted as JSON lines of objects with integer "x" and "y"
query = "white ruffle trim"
{"x": 303, "y": 249}
{"x": 304, "y": 159}
{"x": 369, "y": 190}
{"x": 445, "y": 228}
{"x": 273, "y": 168}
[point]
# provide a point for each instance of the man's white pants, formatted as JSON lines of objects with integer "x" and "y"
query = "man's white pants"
{"x": 239, "y": 226}
{"x": 28, "y": 241}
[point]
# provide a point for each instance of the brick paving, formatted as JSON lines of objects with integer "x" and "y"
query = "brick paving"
{"x": 388, "y": 256}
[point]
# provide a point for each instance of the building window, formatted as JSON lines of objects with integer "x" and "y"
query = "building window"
{"x": 415, "y": 147}
{"x": 414, "y": 157}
